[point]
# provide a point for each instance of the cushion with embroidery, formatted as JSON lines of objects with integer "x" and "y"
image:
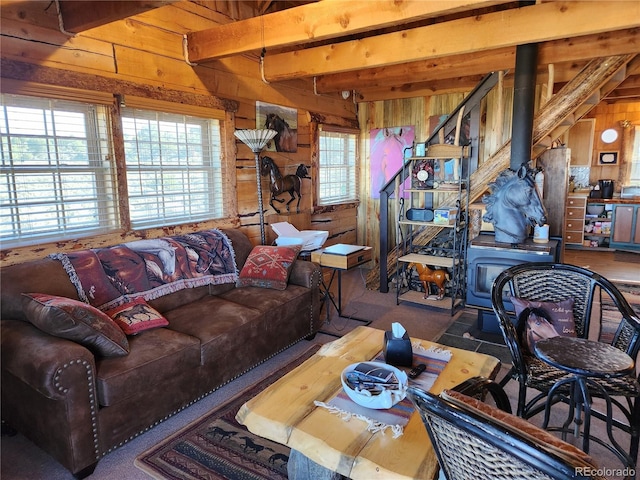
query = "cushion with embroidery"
{"x": 268, "y": 267}
{"x": 542, "y": 439}
{"x": 544, "y": 319}
{"x": 137, "y": 316}
{"x": 77, "y": 321}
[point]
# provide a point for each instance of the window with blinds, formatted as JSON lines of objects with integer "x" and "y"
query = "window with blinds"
{"x": 174, "y": 168}
{"x": 337, "y": 179}
{"x": 56, "y": 173}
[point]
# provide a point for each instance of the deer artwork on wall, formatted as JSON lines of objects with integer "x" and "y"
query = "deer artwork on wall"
{"x": 427, "y": 276}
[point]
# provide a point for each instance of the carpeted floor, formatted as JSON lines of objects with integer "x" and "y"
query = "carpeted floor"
{"x": 217, "y": 447}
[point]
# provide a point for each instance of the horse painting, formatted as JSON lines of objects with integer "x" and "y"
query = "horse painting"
{"x": 286, "y": 140}
{"x": 513, "y": 205}
{"x": 288, "y": 184}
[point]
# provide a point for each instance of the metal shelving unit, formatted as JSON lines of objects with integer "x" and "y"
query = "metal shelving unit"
{"x": 439, "y": 174}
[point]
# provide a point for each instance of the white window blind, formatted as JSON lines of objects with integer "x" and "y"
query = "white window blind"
{"x": 57, "y": 179}
{"x": 174, "y": 168}
{"x": 337, "y": 179}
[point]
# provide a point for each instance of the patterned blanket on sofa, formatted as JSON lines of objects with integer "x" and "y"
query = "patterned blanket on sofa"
{"x": 108, "y": 277}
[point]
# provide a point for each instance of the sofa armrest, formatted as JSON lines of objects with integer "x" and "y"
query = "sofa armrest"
{"x": 306, "y": 274}
{"x": 41, "y": 360}
{"x": 309, "y": 275}
{"x": 49, "y": 394}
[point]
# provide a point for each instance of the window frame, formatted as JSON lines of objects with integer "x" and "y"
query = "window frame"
{"x": 202, "y": 116}
{"x": 99, "y": 165}
{"x": 322, "y": 128}
{"x": 113, "y": 101}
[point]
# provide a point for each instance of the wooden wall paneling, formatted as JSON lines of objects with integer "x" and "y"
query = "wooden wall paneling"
{"x": 609, "y": 116}
{"x": 140, "y": 36}
{"x": 34, "y": 45}
{"x": 580, "y": 141}
{"x": 34, "y": 12}
{"x": 185, "y": 16}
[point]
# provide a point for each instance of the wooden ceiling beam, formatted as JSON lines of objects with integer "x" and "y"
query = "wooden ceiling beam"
{"x": 530, "y": 24}
{"x": 557, "y": 51}
{"x": 78, "y": 16}
{"x": 465, "y": 83}
{"x": 323, "y": 20}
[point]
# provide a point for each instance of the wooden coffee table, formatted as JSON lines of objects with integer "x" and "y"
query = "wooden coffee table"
{"x": 285, "y": 412}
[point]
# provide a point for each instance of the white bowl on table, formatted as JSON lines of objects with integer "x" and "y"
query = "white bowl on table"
{"x": 387, "y": 398}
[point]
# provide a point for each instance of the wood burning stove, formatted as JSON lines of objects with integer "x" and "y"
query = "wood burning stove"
{"x": 486, "y": 259}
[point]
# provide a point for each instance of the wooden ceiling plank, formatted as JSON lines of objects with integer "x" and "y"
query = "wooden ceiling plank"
{"x": 530, "y": 24}
{"x": 78, "y": 15}
{"x": 556, "y": 51}
{"x": 317, "y": 21}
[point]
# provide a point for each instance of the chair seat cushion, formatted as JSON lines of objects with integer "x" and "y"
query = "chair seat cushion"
{"x": 543, "y": 376}
{"x": 542, "y": 439}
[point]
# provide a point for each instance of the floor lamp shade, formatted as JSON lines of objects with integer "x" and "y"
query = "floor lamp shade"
{"x": 256, "y": 141}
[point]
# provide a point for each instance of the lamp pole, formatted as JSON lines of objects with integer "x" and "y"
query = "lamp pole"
{"x": 256, "y": 141}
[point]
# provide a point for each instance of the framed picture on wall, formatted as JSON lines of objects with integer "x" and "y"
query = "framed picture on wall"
{"x": 607, "y": 158}
{"x": 283, "y": 120}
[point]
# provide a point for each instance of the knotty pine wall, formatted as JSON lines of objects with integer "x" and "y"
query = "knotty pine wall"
{"x": 611, "y": 116}
{"x": 422, "y": 113}
{"x": 143, "y": 56}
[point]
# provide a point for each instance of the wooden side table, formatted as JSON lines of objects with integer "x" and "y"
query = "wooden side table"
{"x": 339, "y": 264}
{"x": 586, "y": 362}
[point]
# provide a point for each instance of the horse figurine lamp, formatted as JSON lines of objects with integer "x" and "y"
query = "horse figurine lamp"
{"x": 513, "y": 205}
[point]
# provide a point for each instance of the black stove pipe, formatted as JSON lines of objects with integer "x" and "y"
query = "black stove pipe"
{"x": 523, "y": 104}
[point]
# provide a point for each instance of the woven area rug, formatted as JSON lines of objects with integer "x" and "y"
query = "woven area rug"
{"x": 217, "y": 447}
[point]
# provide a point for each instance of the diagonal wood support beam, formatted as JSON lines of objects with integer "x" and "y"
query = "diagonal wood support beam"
{"x": 574, "y": 94}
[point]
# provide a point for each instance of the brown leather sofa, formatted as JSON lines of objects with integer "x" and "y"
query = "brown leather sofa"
{"x": 78, "y": 407}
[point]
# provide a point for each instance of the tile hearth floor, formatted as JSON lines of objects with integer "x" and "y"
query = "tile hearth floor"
{"x": 465, "y": 334}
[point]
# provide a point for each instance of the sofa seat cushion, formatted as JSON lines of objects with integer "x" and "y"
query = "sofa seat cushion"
{"x": 155, "y": 357}
{"x": 213, "y": 320}
{"x": 267, "y": 300}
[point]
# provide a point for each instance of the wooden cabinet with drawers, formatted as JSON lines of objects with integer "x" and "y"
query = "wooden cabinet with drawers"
{"x": 574, "y": 219}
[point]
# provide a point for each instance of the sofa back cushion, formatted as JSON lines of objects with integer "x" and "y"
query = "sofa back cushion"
{"x": 241, "y": 247}
{"x": 43, "y": 276}
{"x": 48, "y": 276}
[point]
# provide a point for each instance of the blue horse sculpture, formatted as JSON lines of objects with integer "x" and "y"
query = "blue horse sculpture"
{"x": 513, "y": 205}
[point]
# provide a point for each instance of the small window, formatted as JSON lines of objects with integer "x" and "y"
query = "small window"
{"x": 174, "y": 168}
{"x": 337, "y": 179}
{"x": 634, "y": 170}
{"x": 57, "y": 178}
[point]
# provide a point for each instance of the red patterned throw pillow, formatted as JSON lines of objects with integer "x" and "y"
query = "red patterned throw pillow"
{"x": 268, "y": 267}
{"x": 77, "y": 321}
{"x": 137, "y": 316}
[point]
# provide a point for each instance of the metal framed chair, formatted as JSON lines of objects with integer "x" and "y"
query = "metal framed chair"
{"x": 551, "y": 282}
{"x": 474, "y": 440}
